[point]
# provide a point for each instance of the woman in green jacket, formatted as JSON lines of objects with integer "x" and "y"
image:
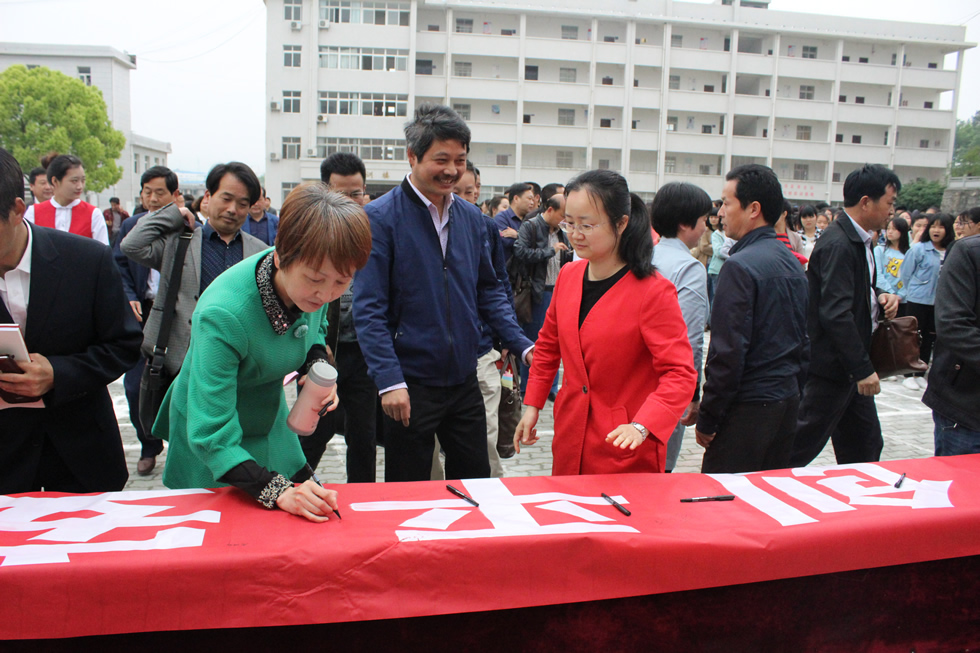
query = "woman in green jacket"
{"x": 225, "y": 413}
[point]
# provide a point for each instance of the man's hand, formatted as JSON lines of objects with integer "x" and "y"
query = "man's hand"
{"x": 560, "y": 247}
{"x": 889, "y": 303}
{"x": 704, "y": 439}
{"x": 308, "y": 500}
{"x": 397, "y": 405}
{"x": 137, "y": 309}
{"x": 509, "y": 232}
{"x": 870, "y": 386}
{"x": 189, "y": 218}
{"x": 691, "y": 413}
{"x": 36, "y": 381}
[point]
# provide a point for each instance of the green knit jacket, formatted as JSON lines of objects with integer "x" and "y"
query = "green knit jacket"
{"x": 227, "y": 404}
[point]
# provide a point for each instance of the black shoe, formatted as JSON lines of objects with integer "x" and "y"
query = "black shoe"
{"x": 552, "y": 397}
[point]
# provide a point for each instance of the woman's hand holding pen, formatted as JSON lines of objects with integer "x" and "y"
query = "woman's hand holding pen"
{"x": 309, "y": 500}
{"x": 526, "y": 433}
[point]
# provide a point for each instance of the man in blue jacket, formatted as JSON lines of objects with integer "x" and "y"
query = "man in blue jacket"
{"x": 418, "y": 305}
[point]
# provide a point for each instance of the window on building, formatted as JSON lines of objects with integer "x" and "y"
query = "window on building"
{"x": 464, "y": 25}
{"x": 146, "y": 162}
{"x": 704, "y": 169}
{"x": 569, "y": 32}
{"x": 605, "y": 123}
{"x": 674, "y": 83}
{"x": 567, "y": 75}
{"x": 670, "y": 164}
{"x": 369, "y": 149}
{"x": 464, "y": 110}
{"x": 607, "y": 81}
{"x": 423, "y": 67}
{"x": 856, "y": 139}
{"x": 503, "y": 159}
{"x": 603, "y": 164}
{"x": 292, "y": 9}
{"x": 839, "y": 138}
{"x": 290, "y": 147}
{"x": 806, "y": 92}
{"x": 894, "y": 58}
{"x": 927, "y": 105}
{"x": 462, "y": 69}
{"x": 677, "y": 40}
{"x": 842, "y": 98}
{"x": 801, "y": 171}
{"x": 287, "y": 188}
{"x": 858, "y": 99}
{"x": 862, "y": 60}
{"x": 136, "y": 163}
{"x": 803, "y": 132}
{"x": 564, "y": 159}
{"x": 378, "y": 59}
{"x": 636, "y": 124}
{"x": 291, "y": 55}
{"x": 531, "y": 73}
{"x": 85, "y": 74}
{"x": 709, "y": 88}
{"x": 364, "y": 104}
{"x": 366, "y": 12}
{"x": 156, "y": 160}
{"x": 671, "y": 123}
{"x": 845, "y": 58}
{"x": 566, "y": 117}
{"x": 809, "y": 52}
{"x": 32, "y": 66}
{"x": 508, "y": 32}
{"x": 527, "y": 119}
{"x": 707, "y": 129}
{"x": 886, "y": 137}
{"x": 290, "y": 101}
{"x": 835, "y": 177}
{"x": 923, "y": 143}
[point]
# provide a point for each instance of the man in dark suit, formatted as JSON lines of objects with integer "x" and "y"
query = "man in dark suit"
{"x": 843, "y": 311}
{"x": 65, "y": 293}
{"x": 158, "y": 188}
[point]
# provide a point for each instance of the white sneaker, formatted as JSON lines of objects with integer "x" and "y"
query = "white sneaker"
{"x": 910, "y": 383}
{"x": 921, "y": 381}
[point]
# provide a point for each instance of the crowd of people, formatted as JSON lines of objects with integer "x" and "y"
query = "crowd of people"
{"x": 208, "y": 306}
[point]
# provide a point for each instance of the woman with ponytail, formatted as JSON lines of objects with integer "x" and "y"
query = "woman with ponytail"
{"x": 617, "y": 327}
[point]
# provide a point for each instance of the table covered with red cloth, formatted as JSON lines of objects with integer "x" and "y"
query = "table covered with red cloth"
{"x": 216, "y": 559}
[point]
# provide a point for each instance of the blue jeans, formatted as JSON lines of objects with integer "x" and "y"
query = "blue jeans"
{"x": 531, "y": 330}
{"x": 954, "y": 439}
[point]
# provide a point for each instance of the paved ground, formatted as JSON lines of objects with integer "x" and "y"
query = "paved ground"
{"x": 906, "y": 424}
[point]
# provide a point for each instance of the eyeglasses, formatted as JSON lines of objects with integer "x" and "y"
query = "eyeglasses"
{"x": 962, "y": 222}
{"x": 584, "y": 229}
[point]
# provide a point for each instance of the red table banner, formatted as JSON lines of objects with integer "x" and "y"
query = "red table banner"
{"x": 74, "y": 565}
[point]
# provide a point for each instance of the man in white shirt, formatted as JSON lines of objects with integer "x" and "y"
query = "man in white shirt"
{"x": 66, "y": 211}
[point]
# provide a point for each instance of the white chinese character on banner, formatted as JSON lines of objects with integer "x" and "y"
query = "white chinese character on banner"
{"x": 876, "y": 488}
{"x": 505, "y": 510}
{"x": 58, "y": 538}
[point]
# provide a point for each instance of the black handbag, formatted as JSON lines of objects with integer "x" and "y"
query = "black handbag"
{"x": 895, "y": 347}
{"x": 155, "y": 381}
{"x": 509, "y": 411}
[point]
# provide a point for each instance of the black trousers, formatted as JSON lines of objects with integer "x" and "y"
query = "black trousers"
{"x": 925, "y": 315}
{"x": 457, "y": 415}
{"x": 837, "y": 412}
{"x": 753, "y": 437}
{"x": 150, "y": 446}
{"x": 355, "y": 417}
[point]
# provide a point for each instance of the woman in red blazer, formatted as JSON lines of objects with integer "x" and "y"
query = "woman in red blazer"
{"x": 617, "y": 327}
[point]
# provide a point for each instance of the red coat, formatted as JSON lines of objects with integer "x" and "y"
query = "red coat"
{"x": 630, "y": 362}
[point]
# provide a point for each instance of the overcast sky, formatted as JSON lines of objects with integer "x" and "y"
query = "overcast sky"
{"x": 200, "y": 77}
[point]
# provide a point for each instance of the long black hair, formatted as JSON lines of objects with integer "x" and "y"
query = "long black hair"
{"x": 946, "y": 220}
{"x": 902, "y": 227}
{"x": 610, "y": 190}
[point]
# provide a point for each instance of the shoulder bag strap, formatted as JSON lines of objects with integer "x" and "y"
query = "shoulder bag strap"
{"x": 169, "y": 303}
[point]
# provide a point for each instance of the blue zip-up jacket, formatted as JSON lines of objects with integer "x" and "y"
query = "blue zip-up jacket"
{"x": 920, "y": 272}
{"x": 500, "y": 266}
{"x": 417, "y": 313}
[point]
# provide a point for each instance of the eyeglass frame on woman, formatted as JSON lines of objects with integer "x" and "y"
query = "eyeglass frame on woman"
{"x": 584, "y": 228}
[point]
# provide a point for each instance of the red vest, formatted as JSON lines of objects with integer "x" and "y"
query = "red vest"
{"x": 81, "y": 217}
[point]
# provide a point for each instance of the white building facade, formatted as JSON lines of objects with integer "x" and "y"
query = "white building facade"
{"x": 108, "y": 70}
{"x": 658, "y": 90}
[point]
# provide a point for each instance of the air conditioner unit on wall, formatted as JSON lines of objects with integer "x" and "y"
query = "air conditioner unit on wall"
{"x": 323, "y": 118}
{"x": 274, "y": 106}
{"x": 296, "y": 25}
{"x": 273, "y": 156}
{"x": 310, "y": 152}
{"x": 324, "y": 24}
